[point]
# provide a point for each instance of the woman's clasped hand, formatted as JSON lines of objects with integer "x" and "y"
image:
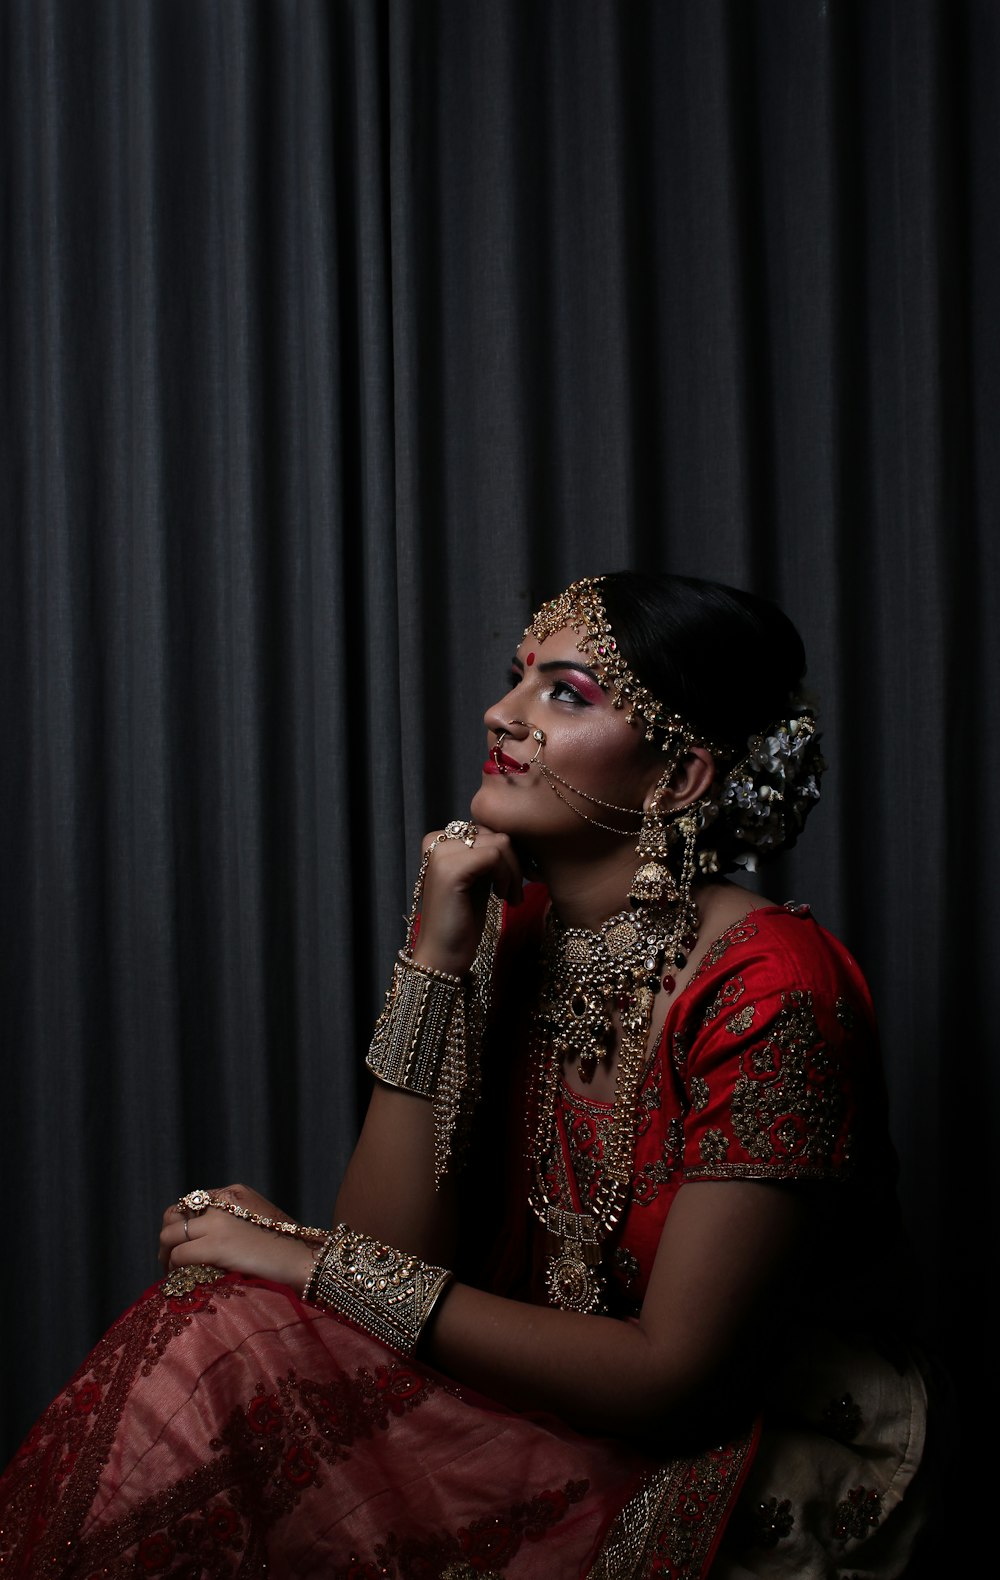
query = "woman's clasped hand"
{"x": 216, "y": 1238}
{"x": 458, "y": 881}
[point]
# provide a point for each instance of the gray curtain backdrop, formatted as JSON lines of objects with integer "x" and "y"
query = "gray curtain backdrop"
{"x": 334, "y": 335}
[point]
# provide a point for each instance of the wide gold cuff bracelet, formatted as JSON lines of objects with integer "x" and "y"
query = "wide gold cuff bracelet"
{"x": 411, "y": 1032}
{"x": 388, "y": 1293}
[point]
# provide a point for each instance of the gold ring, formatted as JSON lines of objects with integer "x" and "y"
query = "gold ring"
{"x": 195, "y": 1202}
{"x": 462, "y": 829}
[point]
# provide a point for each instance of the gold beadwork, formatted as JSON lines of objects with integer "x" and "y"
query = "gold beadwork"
{"x": 185, "y": 1279}
{"x": 388, "y": 1293}
{"x": 581, "y": 607}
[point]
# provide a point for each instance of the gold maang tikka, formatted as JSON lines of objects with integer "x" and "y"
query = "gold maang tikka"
{"x": 581, "y": 608}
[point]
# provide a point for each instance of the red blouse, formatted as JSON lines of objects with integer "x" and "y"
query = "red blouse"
{"x": 767, "y": 1069}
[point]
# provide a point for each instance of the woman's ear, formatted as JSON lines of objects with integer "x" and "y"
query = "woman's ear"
{"x": 689, "y": 781}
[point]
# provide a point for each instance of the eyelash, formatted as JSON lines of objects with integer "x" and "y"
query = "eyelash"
{"x": 571, "y": 694}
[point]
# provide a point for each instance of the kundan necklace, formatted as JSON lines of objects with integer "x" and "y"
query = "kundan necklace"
{"x": 586, "y": 977}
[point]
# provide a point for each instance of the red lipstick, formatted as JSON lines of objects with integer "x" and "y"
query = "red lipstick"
{"x": 499, "y": 763}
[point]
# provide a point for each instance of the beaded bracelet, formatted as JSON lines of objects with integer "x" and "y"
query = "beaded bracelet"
{"x": 390, "y": 1294}
{"x": 198, "y": 1201}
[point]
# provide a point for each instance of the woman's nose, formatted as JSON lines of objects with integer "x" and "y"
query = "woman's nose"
{"x": 499, "y": 718}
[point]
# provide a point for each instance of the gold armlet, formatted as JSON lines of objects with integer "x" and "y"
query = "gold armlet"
{"x": 388, "y": 1293}
{"x": 409, "y": 1041}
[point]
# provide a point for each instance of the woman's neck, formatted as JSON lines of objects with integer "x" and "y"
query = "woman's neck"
{"x": 585, "y": 894}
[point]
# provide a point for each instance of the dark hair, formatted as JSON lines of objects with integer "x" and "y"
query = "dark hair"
{"x": 729, "y": 662}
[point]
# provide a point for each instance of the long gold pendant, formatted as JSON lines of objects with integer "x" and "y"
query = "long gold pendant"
{"x": 572, "y": 1281}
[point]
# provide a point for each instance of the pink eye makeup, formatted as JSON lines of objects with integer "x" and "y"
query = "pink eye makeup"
{"x": 587, "y": 688}
{"x": 576, "y": 678}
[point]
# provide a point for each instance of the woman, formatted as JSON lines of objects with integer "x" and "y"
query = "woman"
{"x": 628, "y": 1127}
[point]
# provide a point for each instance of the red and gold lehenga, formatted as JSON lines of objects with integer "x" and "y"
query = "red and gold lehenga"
{"x": 230, "y": 1429}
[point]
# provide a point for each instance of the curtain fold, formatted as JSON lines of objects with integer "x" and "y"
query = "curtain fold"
{"x": 334, "y": 336}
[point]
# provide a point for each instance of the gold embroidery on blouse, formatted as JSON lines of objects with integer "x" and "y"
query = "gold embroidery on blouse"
{"x": 739, "y": 933}
{"x": 698, "y": 1093}
{"x": 649, "y": 1100}
{"x": 846, "y": 1013}
{"x": 626, "y": 1264}
{"x": 742, "y": 1020}
{"x": 713, "y": 1147}
{"x": 730, "y": 993}
{"x": 784, "y": 1106}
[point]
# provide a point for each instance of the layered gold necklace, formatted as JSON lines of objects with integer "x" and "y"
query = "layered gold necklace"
{"x": 586, "y": 978}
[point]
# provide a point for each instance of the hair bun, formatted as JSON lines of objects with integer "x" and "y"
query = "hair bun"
{"x": 765, "y": 798}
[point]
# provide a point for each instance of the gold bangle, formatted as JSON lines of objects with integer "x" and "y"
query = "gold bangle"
{"x": 390, "y": 1294}
{"x": 409, "y": 1041}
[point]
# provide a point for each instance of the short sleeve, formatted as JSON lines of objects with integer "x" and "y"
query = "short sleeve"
{"x": 771, "y": 1063}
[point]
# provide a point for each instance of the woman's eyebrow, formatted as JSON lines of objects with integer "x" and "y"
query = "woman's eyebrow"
{"x": 568, "y": 663}
{"x": 559, "y": 663}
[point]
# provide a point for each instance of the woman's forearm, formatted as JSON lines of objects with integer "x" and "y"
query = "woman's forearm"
{"x": 388, "y": 1188}
{"x": 721, "y": 1259}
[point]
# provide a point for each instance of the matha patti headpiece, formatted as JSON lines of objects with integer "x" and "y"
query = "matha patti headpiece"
{"x": 581, "y": 607}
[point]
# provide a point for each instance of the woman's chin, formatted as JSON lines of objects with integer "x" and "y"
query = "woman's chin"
{"x": 493, "y": 805}
{"x": 485, "y": 807}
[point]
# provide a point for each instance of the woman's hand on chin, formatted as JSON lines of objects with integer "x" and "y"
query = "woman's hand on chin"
{"x": 217, "y": 1238}
{"x": 457, "y": 886}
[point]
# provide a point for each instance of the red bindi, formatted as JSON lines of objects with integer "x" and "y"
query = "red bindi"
{"x": 530, "y": 658}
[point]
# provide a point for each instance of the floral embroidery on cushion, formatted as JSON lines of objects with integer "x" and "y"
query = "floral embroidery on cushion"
{"x": 772, "y": 1521}
{"x": 842, "y": 1418}
{"x": 784, "y": 1105}
{"x": 858, "y": 1515}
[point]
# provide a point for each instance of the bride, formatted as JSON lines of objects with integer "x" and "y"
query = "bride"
{"x": 615, "y": 1281}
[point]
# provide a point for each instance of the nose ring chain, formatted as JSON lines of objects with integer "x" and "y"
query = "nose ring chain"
{"x": 521, "y": 768}
{"x": 554, "y": 780}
